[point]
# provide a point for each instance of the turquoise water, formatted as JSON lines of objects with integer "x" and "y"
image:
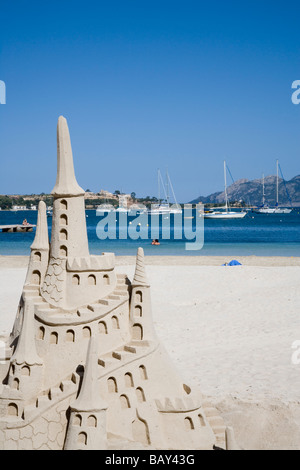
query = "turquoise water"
{"x": 256, "y": 234}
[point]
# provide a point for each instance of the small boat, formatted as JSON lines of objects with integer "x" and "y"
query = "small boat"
{"x": 105, "y": 208}
{"x": 164, "y": 208}
{"x": 264, "y": 209}
{"x": 224, "y": 213}
{"x": 273, "y": 210}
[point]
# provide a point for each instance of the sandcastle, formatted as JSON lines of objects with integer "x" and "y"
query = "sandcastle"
{"x": 83, "y": 367}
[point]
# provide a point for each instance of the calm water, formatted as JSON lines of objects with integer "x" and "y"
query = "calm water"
{"x": 260, "y": 235}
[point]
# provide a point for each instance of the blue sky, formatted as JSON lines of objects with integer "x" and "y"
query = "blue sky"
{"x": 144, "y": 85}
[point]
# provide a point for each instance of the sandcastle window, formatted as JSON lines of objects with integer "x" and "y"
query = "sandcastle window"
{"x": 102, "y": 328}
{"x": 70, "y": 336}
{"x": 140, "y": 395}
{"x": 16, "y": 384}
{"x": 139, "y": 297}
{"x": 201, "y": 419}
{"x": 124, "y": 402}
{"x": 115, "y": 323}
{"x": 37, "y": 256}
{"x": 82, "y": 438}
{"x": 143, "y": 372}
{"x": 63, "y": 220}
{"x": 106, "y": 280}
{"x": 77, "y": 421}
{"x": 76, "y": 280}
{"x": 137, "y": 332}
{"x": 25, "y": 371}
{"x": 54, "y": 338}
{"x": 138, "y": 311}
{"x": 41, "y": 333}
{"x": 189, "y": 425}
{"x": 36, "y": 278}
{"x": 112, "y": 385}
{"x": 92, "y": 421}
{"x": 63, "y": 235}
{"x": 13, "y": 409}
{"x": 87, "y": 332}
{"x": 92, "y": 280}
{"x": 63, "y": 205}
{"x": 63, "y": 251}
{"x": 129, "y": 380}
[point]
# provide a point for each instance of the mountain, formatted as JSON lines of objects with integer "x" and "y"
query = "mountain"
{"x": 251, "y": 192}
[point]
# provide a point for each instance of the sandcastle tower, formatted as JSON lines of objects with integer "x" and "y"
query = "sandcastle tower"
{"x": 86, "y": 369}
{"x": 87, "y": 424}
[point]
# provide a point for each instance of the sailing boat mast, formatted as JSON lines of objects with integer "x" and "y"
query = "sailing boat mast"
{"x": 161, "y": 183}
{"x": 170, "y": 185}
{"x": 277, "y": 185}
{"x": 167, "y": 187}
{"x": 263, "y": 190}
{"x": 158, "y": 182}
{"x": 225, "y": 180}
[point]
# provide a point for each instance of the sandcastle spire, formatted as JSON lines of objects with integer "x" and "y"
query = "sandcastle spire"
{"x": 66, "y": 184}
{"x": 39, "y": 255}
{"x": 89, "y": 398}
{"x": 140, "y": 305}
{"x": 140, "y": 277}
{"x": 87, "y": 424}
{"x": 25, "y": 352}
{"x": 41, "y": 240}
{"x": 69, "y": 234}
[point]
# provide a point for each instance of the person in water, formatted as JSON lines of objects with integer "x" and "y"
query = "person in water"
{"x": 25, "y": 222}
{"x": 155, "y": 242}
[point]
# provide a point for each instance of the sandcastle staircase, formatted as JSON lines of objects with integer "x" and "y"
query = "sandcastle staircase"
{"x": 51, "y": 315}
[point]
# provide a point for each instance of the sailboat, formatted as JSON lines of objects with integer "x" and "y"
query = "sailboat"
{"x": 273, "y": 210}
{"x": 226, "y": 213}
{"x": 279, "y": 210}
{"x": 164, "y": 208}
{"x": 264, "y": 209}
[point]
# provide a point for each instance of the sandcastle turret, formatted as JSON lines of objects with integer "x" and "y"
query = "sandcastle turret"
{"x": 73, "y": 276}
{"x": 37, "y": 267}
{"x": 87, "y": 424}
{"x": 24, "y": 380}
{"x": 69, "y": 235}
{"x": 140, "y": 306}
{"x": 26, "y": 363}
{"x": 39, "y": 255}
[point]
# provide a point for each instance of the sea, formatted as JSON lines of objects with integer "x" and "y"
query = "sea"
{"x": 256, "y": 234}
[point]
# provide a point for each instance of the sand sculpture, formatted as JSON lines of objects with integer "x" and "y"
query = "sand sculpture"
{"x": 84, "y": 368}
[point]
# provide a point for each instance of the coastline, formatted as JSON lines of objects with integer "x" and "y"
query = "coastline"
{"x": 9, "y": 262}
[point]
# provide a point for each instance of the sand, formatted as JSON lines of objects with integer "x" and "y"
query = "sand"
{"x": 229, "y": 330}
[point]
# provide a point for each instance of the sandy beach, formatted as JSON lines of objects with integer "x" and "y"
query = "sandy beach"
{"x": 229, "y": 330}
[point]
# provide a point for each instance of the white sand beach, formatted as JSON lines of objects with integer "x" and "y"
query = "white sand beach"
{"x": 229, "y": 330}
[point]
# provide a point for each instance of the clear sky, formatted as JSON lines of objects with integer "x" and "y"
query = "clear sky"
{"x": 144, "y": 85}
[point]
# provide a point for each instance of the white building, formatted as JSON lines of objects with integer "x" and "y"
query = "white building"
{"x": 19, "y": 208}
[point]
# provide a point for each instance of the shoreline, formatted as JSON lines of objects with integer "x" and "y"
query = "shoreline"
{"x": 15, "y": 261}
{"x": 228, "y": 331}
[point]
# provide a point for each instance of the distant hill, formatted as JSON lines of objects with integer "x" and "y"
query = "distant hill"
{"x": 250, "y": 192}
